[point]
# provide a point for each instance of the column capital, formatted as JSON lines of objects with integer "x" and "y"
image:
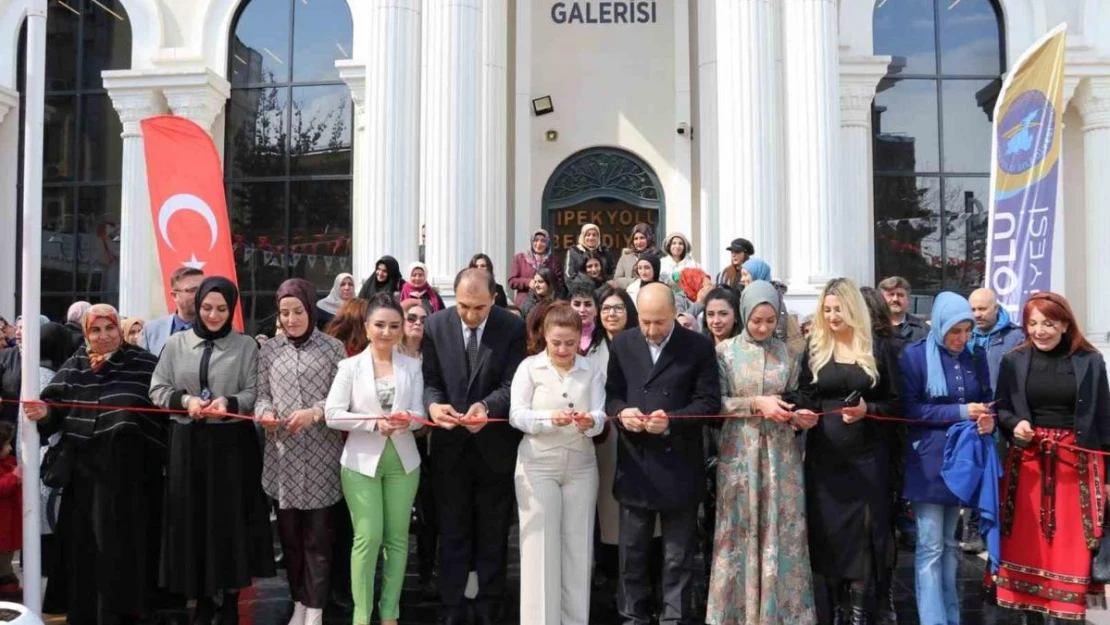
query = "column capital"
{"x": 353, "y": 73}
{"x": 134, "y": 104}
{"x": 1092, "y": 98}
{"x": 198, "y": 96}
{"x": 9, "y": 100}
{"x": 859, "y": 77}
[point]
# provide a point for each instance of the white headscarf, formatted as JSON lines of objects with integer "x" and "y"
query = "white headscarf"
{"x": 332, "y": 302}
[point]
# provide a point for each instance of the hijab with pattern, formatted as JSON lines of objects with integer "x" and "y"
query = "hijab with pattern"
{"x": 224, "y": 287}
{"x": 92, "y": 315}
{"x": 333, "y": 301}
{"x": 756, "y": 294}
{"x": 303, "y": 291}
{"x": 534, "y": 258}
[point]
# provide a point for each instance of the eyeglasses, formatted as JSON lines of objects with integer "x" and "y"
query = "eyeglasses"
{"x": 415, "y": 318}
{"x": 613, "y": 309}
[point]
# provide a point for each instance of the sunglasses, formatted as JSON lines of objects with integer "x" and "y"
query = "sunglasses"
{"x": 415, "y": 318}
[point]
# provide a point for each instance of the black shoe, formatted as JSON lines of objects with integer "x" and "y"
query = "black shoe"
{"x": 341, "y": 602}
{"x": 887, "y": 614}
{"x": 229, "y": 609}
{"x": 429, "y": 590}
{"x": 858, "y": 614}
{"x": 453, "y": 619}
{"x": 204, "y": 612}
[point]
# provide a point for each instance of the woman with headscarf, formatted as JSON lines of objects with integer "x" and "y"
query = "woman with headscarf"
{"x": 106, "y": 536}
{"x": 483, "y": 261}
{"x": 647, "y": 271}
{"x": 419, "y": 288}
{"x": 300, "y": 469}
{"x": 757, "y": 269}
{"x": 589, "y": 243}
{"x": 677, "y": 255}
{"x": 342, "y": 291}
{"x": 942, "y": 382}
{"x": 525, "y": 265}
{"x": 386, "y": 279}
{"x": 132, "y": 328}
{"x": 217, "y": 534}
{"x": 761, "y": 571}
{"x": 643, "y": 242}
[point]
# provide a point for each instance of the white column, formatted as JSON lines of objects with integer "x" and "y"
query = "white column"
{"x": 1093, "y": 100}
{"x": 494, "y": 203}
{"x": 387, "y": 136}
{"x": 818, "y": 243}
{"x": 680, "y": 210}
{"x": 9, "y": 166}
{"x": 742, "y": 197}
{"x": 709, "y": 232}
{"x": 451, "y": 135}
{"x": 138, "y": 275}
{"x": 199, "y": 96}
{"x": 525, "y": 216}
{"x": 859, "y": 76}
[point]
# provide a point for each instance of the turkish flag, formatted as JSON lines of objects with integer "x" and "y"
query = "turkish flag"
{"x": 187, "y": 201}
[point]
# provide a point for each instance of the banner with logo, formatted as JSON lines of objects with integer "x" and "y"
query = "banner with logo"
{"x": 1025, "y": 173}
{"x": 187, "y": 202}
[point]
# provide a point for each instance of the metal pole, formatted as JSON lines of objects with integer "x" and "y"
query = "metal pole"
{"x": 35, "y": 86}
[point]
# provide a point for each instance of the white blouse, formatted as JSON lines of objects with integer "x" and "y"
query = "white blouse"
{"x": 539, "y": 390}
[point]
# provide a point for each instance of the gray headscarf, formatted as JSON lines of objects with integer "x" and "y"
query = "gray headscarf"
{"x": 755, "y": 294}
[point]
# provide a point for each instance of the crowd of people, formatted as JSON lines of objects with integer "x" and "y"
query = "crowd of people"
{"x": 632, "y": 413}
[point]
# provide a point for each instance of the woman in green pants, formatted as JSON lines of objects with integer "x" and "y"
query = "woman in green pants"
{"x": 374, "y": 397}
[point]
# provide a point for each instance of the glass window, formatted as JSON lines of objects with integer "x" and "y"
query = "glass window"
{"x": 288, "y": 150}
{"x": 931, "y": 125}
{"x": 82, "y": 152}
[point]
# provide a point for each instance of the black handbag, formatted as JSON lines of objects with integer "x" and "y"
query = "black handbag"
{"x": 56, "y": 469}
{"x": 1100, "y": 563}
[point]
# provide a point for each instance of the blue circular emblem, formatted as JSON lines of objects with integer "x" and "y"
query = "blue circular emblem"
{"x": 1026, "y": 132}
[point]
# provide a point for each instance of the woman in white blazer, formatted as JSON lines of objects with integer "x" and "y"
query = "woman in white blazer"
{"x": 558, "y": 400}
{"x": 374, "y": 397}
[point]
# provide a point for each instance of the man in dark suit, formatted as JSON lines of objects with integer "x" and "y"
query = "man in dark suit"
{"x": 471, "y": 352}
{"x": 658, "y": 373}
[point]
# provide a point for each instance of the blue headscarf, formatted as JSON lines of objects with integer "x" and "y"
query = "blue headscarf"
{"x": 758, "y": 268}
{"x": 949, "y": 309}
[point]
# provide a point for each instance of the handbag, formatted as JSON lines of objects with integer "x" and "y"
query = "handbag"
{"x": 1100, "y": 563}
{"x": 56, "y": 469}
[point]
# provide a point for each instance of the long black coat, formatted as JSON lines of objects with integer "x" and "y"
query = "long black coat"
{"x": 662, "y": 472}
{"x": 500, "y": 351}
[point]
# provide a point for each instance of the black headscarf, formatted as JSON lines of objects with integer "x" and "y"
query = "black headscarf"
{"x": 224, "y": 287}
{"x": 55, "y": 345}
{"x": 651, "y": 258}
{"x": 392, "y": 283}
{"x": 305, "y": 293}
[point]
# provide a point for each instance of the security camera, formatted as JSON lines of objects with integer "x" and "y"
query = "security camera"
{"x": 684, "y": 129}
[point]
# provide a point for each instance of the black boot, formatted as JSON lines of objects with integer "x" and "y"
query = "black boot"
{"x": 205, "y": 611}
{"x": 859, "y": 607}
{"x": 229, "y": 609}
{"x": 887, "y": 615}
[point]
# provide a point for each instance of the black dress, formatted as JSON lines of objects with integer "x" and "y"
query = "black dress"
{"x": 846, "y": 469}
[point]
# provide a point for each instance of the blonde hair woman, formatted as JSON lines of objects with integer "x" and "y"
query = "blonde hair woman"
{"x": 845, "y": 377}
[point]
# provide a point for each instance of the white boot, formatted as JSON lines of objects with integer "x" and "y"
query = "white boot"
{"x": 314, "y": 616}
{"x": 298, "y": 614}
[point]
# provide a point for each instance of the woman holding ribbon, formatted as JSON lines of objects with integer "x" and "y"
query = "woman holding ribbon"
{"x": 106, "y": 539}
{"x": 761, "y": 569}
{"x": 217, "y": 527}
{"x": 300, "y": 469}
{"x": 375, "y": 397}
{"x": 1053, "y": 399}
{"x": 844, "y": 378}
{"x": 942, "y": 383}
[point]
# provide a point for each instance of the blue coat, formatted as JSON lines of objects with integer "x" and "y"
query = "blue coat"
{"x": 968, "y": 382}
{"x": 972, "y": 471}
{"x": 998, "y": 343}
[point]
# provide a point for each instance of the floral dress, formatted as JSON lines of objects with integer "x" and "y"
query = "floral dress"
{"x": 761, "y": 570}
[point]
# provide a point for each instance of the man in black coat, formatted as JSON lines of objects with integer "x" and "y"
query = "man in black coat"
{"x": 658, "y": 373}
{"x": 471, "y": 352}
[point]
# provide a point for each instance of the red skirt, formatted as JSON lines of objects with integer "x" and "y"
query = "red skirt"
{"x": 1052, "y": 503}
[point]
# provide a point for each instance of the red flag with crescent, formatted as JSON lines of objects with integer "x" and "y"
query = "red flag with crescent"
{"x": 187, "y": 201}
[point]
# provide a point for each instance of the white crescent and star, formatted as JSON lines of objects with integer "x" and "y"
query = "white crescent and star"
{"x": 187, "y": 202}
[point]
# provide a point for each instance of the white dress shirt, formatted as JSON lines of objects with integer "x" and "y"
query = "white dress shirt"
{"x": 466, "y": 330}
{"x": 656, "y": 350}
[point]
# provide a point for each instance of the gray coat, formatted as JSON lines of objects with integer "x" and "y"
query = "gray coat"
{"x": 232, "y": 373}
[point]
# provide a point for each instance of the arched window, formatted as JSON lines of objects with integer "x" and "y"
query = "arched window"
{"x": 931, "y": 125}
{"x": 82, "y": 152}
{"x": 287, "y": 158}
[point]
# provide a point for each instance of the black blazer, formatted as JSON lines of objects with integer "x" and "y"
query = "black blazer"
{"x": 1092, "y": 404}
{"x": 662, "y": 472}
{"x": 446, "y": 382}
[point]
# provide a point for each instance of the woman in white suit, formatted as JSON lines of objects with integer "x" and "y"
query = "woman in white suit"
{"x": 374, "y": 397}
{"x": 558, "y": 400}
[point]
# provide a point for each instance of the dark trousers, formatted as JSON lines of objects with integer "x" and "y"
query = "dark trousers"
{"x": 680, "y": 544}
{"x": 427, "y": 532}
{"x": 475, "y": 507}
{"x": 343, "y": 540}
{"x": 306, "y": 539}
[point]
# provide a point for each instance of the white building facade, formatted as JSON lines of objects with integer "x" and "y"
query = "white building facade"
{"x": 843, "y": 138}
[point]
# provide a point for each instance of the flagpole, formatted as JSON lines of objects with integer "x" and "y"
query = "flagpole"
{"x": 34, "y": 91}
